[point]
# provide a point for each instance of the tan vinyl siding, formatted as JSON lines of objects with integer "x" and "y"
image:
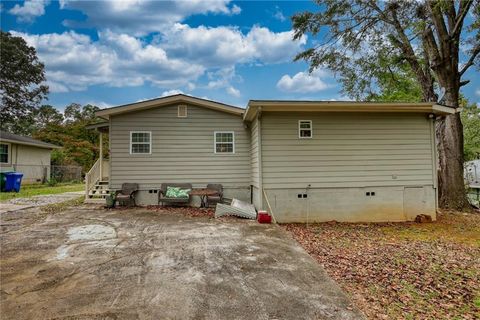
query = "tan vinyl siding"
{"x": 182, "y": 149}
{"x": 347, "y": 150}
{"x": 255, "y": 154}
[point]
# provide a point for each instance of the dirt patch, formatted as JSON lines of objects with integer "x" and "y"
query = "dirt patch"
{"x": 403, "y": 270}
{"x": 90, "y": 263}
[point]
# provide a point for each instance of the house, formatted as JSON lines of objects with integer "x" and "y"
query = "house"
{"x": 26, "y": 155}
{"x": 300, "y": 160}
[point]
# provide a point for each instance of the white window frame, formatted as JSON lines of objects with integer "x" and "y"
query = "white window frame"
{"x": 311, "y": 129}
{"x": 9, "y": 154}
{"x": 149, "y": 143}
{"x": 215, "y": 142}
{"x": 178, "y": 110}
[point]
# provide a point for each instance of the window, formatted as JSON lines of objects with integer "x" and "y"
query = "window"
{"x": 224, "y": 142}
{"x": 182, "y": 111}
{"x": 305, "y": 129}
{"x": 4, "y": 153}
{"x": 140, "y": 142}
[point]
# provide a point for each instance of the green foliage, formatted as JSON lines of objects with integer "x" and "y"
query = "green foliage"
{"x": 22, "y": 79}
{"x": 80, "y": 146}
{"x": 396, "y": 83}
{"x": 471, "y": 130}
{"x": 52, "y": 182}
{"x": 363, "y": 42}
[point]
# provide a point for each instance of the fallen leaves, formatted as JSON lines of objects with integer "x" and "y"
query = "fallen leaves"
{"x": 188, "y": 211}
{"x": 392, "y": 273}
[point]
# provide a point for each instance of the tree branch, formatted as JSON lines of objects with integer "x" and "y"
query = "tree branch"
{"x": 462, "y": 12}
{"x": 470, "y": 62}
{"x": 439, "y": 23}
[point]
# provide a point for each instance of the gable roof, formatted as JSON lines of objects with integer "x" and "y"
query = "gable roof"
{"x": 255, "y": 106}
{"x": 23, "y": 140}
{"x": 163, "y": 101}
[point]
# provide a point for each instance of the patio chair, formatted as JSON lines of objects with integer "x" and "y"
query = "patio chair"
{"x": 162, "y": 194}
{"x": 127, "y": 194}
{"x": 218, "y": 197}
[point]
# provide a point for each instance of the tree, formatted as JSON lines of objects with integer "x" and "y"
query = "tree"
{"x": 21, "y": 83}
{"x": 471, "y": 128}
{"x": 47, "y": 115}
{"x": 360, "y": 35}
{"x": 80, "y": 146}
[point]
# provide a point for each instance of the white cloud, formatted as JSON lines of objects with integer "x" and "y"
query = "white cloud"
{"x": 75, "y": 62}
{"x": 100, "y": 104}
{"x": 304, "y": 82}
{"x": 236, "y": 9}
{"x": 278, "y": 14}
{"x": 225, "y": 46}
{"x": 477, "y": 92}
{"x": 233, "y": 92}
{"x": 142, "y": 17}
{"x": 171, "y": 92}
{"x": 30, "y": 10}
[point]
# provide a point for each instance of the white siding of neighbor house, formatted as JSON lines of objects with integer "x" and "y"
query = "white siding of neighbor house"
{"x": 350, "y": 155}
{"x": 182, "y": 149}
{"x": 32, "y": 161}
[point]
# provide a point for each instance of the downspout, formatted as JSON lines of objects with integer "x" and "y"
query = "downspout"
{"x": 308, "y": 203}
{"x": 434, "y": 157}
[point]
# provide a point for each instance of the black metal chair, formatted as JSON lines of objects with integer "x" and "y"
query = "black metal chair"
{"x": 218, "y": 197}
{"x": 127, "y": 193}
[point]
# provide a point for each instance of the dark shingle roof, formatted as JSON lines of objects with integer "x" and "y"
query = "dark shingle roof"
{"x": 15, "y": 138}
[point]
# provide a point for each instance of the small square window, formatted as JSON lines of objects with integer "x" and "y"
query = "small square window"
{"x": 140, "y": 142}
{"x": 305, "y": 129}
{"x": 224, "y": 142}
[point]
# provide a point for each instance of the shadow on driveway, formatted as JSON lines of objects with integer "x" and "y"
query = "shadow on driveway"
{"x": 88, "y": 263}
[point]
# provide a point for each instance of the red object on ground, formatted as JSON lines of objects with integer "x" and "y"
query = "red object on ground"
{"x": 264, "y": 217}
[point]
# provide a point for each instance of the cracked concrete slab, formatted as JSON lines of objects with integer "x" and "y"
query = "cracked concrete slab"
{"x": 90, "y": 263}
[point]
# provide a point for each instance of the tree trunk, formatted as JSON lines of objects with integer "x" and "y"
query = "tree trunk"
{"x": 451, "y": 185}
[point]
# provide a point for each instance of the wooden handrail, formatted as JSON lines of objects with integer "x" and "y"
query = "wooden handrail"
{"x": 92, "y": 176}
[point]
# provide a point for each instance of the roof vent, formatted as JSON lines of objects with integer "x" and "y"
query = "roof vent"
{"x": 182, "y": 111}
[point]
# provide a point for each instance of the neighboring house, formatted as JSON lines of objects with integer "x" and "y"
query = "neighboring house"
{"x": 26, "y": 155}
{"x": 300, "y": 160}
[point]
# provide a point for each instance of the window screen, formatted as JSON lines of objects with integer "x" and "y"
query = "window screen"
{"x": 140, "y": 142}
{"x": 305, "y": 129}
{"x": 224, "y": 142}
{"x": 4, "y": 153}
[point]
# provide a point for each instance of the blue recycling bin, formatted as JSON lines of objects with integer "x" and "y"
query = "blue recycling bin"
{"x": 13, "y": 181}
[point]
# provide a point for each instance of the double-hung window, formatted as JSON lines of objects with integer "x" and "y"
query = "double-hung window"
{"x": 305, "y": 129}
{"x": 4, "y": 153}
{"x": 224, "y": 142}
{"x": 140, "y": 142}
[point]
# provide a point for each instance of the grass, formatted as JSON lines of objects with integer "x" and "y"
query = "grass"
{"x": 27, "y": 191}
{"x": 402, "y": 270}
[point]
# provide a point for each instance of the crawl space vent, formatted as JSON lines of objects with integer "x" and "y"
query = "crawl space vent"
{"x": 182, "y": 111}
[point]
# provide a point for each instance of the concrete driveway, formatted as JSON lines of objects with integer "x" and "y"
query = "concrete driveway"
{"x": 90, "y": 263}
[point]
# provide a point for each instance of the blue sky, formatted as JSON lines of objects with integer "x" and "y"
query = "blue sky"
{"x": 115, "y": 52}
